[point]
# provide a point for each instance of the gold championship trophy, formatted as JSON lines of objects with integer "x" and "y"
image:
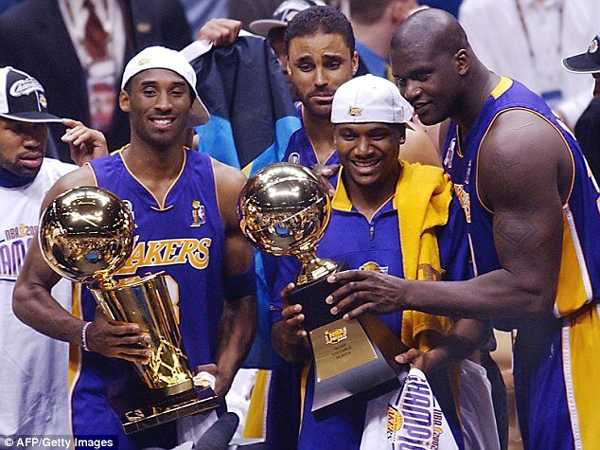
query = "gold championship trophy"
{"x": 284, "y": 210}
{"x": 86, "y": 235}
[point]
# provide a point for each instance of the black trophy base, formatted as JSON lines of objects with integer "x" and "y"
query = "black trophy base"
{"x": 312, "y": 298}
{"x": 351, "y": 358}
{"x": 143, "y": 410}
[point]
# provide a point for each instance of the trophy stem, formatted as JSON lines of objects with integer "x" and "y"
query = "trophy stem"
{"x": 146, "y": 301}
{"x": 313, "y": 268}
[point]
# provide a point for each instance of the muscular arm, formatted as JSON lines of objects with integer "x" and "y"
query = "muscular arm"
{"x": 239, "y": 320}
{"x": 32, "y": 302}
{"x": 524, "y": 173}
{"x": 34, "y": 305}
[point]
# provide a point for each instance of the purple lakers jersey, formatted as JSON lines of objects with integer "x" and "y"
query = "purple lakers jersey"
{"x": 301, "y": 151}
{"x": 182, "y": 236}
{"x": 554, "y": 359}
{"x": 580, "y": 268}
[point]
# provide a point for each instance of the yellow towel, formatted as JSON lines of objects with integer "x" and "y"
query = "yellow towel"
{"x": 422, "y": 201}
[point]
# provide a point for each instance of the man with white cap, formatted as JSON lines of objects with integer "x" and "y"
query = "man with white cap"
{"x": 587, "y": 129}
{"x": 378, "y": 210}
{"x": 186, "y": 224}
{"x": 33, "y": 373}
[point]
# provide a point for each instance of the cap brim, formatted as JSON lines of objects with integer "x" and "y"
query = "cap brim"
{"x": 580, "y": 64}
{"x": 199, "y": 114}
{"x": 263, "y": 27}
{"x": 33, "y": 116}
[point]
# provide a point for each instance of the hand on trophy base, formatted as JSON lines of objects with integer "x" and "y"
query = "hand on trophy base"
{"x": 350, "y": 356}
{"x": 220, "y": 383}
{"x": 312, "y": 298}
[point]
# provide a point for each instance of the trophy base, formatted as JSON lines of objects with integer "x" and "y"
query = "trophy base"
{"x": 145, "y": 416}
{"x": 347, "y": 362}
{"x": 312, "y": 298}
{"x": 369, "y": 381}
{"x": 351, "y": 357}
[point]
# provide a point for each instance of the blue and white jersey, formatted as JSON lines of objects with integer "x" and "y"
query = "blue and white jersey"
{"x": 184, "y": 237}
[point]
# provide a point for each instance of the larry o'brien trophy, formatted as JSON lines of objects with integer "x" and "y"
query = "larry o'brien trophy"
{"x": 284, "y": 210}
{"x": 86, "y": 235}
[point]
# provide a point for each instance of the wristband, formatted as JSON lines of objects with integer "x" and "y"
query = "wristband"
{"x": 239, "y": 285}
{"x": 84, "y": 337}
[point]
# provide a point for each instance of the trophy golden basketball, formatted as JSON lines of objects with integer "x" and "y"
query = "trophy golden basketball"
{"x": 86, "y": 235}
{"x": 284, "y": 210}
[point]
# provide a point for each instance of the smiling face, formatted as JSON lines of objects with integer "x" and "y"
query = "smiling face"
{"x": 429, "y": 80}
{"x": 318, "y": 64}
{"x": 22, "y": 146}
{"x": 158, "y": 102}
{"x": 369, "y": 152}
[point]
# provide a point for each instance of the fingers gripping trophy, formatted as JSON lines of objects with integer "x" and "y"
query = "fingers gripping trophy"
{"x": 284, "y": 210}
{"x": 86, "y": 235}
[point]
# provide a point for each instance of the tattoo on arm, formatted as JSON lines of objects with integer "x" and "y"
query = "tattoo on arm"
{"x": 514, "y": 231}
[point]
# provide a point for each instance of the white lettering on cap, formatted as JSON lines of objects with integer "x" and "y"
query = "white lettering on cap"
{"x": 25, "y": 87}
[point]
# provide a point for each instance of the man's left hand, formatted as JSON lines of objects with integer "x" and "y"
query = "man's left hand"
{"x": 364, "y": 291}
{"x": 325, "y": 172}
{"x": 415, "y": 358}
{"x": 222, "y": 381}
{"x": 221, "y": 32}
{"x": 85, "y": 143}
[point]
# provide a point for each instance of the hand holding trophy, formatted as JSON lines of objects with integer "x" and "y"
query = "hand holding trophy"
{"x": 284, "y": 210}
{"x": 86, "y": 235}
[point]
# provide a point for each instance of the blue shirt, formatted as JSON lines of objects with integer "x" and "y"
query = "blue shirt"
{"x": 374, "y": 63}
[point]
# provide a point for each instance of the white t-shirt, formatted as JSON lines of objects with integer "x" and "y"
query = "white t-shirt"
{"x": 34, "y": 368}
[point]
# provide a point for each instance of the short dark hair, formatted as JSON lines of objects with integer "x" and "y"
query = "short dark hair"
{"x": 368, "y": 11}
{"x": 323, "y": 19}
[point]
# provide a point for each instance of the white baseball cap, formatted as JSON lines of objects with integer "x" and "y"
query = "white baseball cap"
{"x": 165, "y": 58}
{"x": 369, "y": 99}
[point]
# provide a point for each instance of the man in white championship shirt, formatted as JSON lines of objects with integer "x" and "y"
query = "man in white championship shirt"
{"x": 34, "y": 398}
